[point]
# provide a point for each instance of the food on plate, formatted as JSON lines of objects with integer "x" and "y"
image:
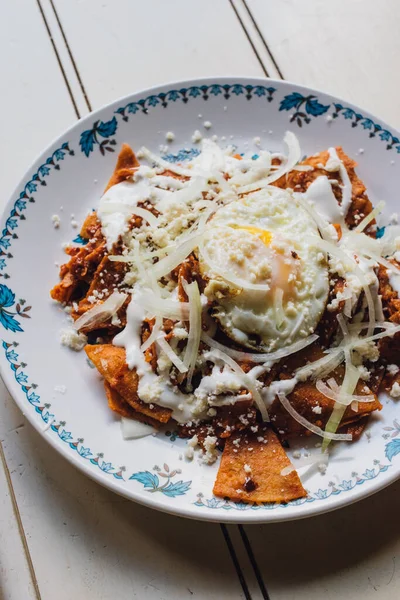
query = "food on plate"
{"x": 245, "y": 300}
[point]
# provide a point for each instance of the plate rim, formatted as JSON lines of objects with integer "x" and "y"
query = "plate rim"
{"x": 151, "y": 501}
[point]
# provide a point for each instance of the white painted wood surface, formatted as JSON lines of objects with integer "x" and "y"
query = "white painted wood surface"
{"x": 348, "y": 48}
{"x": 83, "y": 541}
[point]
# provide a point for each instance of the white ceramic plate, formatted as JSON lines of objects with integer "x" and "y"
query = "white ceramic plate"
{"x": 68, "y": 178}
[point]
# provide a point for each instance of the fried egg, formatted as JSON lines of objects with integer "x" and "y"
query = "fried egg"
{"x": 265, "y": 275}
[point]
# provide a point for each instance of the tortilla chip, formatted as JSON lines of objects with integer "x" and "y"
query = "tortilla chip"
{"x": 305, "y": 398}
{"x": 109, "y": 274}
{"x": 250, "y": 470}
{"x": 126, "y": 163}
{"x": 110, "y": 361}
{"x": 91, "y": 226}
{"x": 120, "y": 406}
{"x": 300, "y": 180}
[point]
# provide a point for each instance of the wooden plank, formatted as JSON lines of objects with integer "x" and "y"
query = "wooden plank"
{"x": 35, "y": 104}
{"x": 349, "y": 49}
{"x": 141, "y": 44}
{"x": 15, "y": 575}
{"x": 351, "y": 553}
{"x": 87, "y": 542}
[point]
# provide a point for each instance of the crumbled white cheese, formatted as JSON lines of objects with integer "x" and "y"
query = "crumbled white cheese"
{"x": 61, "y": 389}
{"x": 170, "y": 136}
{"x": 317, "y": 409}
{"x": 197, "y": 137}
{"x": 210, "y": 454}
{"x": 361, "y": 151}
{"x": 191, "y": 445}
{"x": 72, "y": 339}
{"x": 74, "y": 223}
{"x": 367, "y": 351}
{"x": 322, "y": 467}
{"x": 364, "y": 373}
{"x": 247, "y": 468}
{"x": 257, "y": 141}
{"x": 207, "y": 124}
{"x": 395, "y": 391}
{"x": 392, "y": 369}
{"x": 329, "y": 118}
{"x": 55, "y": 219}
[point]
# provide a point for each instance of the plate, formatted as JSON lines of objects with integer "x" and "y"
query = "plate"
{"x": 58, "y": 391}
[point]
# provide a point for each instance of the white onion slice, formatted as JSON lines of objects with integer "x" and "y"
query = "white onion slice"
{"x": 347, "y": 437}
{"x": 259, "y": 358}
{"x": 165, "y": 164}
{"x": 195, "y": 309}
{"x": 247, "y": 381}
{"x": 322, "y": 366}
{"x": 101, "y": 312}
{"x": 155, "y": 333}
{"x": 168, "y": 264}
{"x": 164, "y": 307}
{"x": 374, "y": 213}
{"x": 173, "y": 357}
{"x": 335, "y": 394}
{"x": 293, "y": 157}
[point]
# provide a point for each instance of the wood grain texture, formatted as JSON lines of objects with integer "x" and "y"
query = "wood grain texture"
{"x": 351, "y": 553}
{"x": 347, "y": 48}
{"x": 35, "y": 104}
{"x": 15, "y": 575}
{"x": 141, "y": 44}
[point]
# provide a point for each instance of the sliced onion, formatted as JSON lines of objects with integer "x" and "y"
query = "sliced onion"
{"x": 347, "y": 437}
{"x": 195, "y": 309}
{"x": 167, "y": 166}
{"x": 259, "y": 358}
{"x": 293, "y": 157}
{"x": 374, "y": 213}
{"x": 155, "y": 333}
{"x": 168, "y": 264}
{"x": 173, "y": 357}
{"x": 335, "y": 394}
{"x": 247, "y": 381}
{"x": 164, "y": 307}
{"x": 101, "y": 312}
{"x": 322, "y": 366}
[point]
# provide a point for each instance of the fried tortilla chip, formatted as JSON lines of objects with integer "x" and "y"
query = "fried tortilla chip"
{"x": 316, "y": 408}
{"x": 250, "y": 470}
{"x": 91, "y": 226}
{"x": 300, "y": 180}
{"x": 120, "y": 406}
{"x": 110, "y": 361}
{"x": 126, "y": 164}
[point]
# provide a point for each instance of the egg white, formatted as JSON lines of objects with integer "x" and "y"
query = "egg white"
{"x": 265, "y": 240}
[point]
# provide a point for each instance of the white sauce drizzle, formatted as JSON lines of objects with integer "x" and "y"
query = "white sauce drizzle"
{"x": 335, "y": 164}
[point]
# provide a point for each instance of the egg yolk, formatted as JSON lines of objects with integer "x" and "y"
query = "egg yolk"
{"x": 264, "y": 235}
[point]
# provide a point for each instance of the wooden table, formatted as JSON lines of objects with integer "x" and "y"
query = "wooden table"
{"x": 61, "y": 535}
